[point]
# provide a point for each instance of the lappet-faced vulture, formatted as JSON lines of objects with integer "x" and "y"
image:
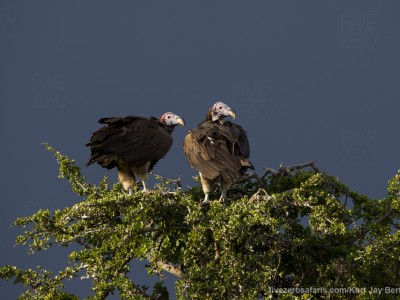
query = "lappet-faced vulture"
{"x": 218, "y": 149}
{"x": 132, "y": 144}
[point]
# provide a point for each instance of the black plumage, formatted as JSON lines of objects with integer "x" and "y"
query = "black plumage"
{"x": 133, "y": 144}
{"x": 218, "y": 149}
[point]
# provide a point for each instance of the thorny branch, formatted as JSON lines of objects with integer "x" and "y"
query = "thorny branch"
{"x": 260, "y": 195}
{"x": 249, "y": 176}
{"x": 282, "y": 171}
{"x": 290, "y": 169}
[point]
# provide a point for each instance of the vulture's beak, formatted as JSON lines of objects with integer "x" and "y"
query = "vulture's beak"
{"x": 232, "y": 112}
{"x": 180, "y": 121}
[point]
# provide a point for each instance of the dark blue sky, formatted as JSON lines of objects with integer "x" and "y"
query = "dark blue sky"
{"x": 310, "y": 80}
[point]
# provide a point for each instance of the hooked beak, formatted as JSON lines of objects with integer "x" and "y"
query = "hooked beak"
{"x": 180, "y": 121}
{"x": 232, "y": 113}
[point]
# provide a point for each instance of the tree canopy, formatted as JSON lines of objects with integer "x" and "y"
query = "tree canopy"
{"x": 296, "y": 233}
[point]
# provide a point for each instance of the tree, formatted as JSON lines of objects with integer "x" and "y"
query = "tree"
{"x": 296, "y": 232}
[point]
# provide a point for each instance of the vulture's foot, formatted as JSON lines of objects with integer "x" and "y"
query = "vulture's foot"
{"x": 205, "y": 203}
{"x": 226, "y": 200}
{"x": 206, "y": 200}
{"x": 144, "y": 186}
{"x": 223, "y": 196}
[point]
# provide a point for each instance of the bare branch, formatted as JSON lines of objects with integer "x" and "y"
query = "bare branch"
{"x": 248, "y": 176}
{"x": 261, "y": 194}
{"x": 82, "y": 243}
{"x": 381, "y": 219}
{"x": 290, "y": 169}
{"x": 170, "y": 268}
{"x": 364, "y": 231}
{"x": 177, "y": 182}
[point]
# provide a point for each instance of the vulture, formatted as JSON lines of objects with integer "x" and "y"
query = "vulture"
{"x": 132, "y": 144}
{"x": 218, "y": 149}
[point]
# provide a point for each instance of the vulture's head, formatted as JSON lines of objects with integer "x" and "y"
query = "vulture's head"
{"x": 220, "y": 110}
{"x": 170, "y": 120}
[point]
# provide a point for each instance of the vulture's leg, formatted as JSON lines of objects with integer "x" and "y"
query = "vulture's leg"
{"x": 127, "y": 178}
{"x": 144, "y": 186}
{"x": 225, "y": 188}
{"x": 143, "y": 173}
{"x": 206, "y": 185}
{"x": 206, "y": 198}
{"x": 223, "y": 195}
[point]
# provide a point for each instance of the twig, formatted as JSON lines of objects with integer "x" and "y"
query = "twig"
{"x": 364, "y": 231}
{"x": 277, "y": 267}
{"x": 384, "y": 216}
{"x": 289, "y": 169}
{"x": 83, "y": 187}
{"x": 124, "y": 263}
{"x": 248, "y": 176}
{"x": 178, "y": 182}
{"x": 217, "y": 252}
{"x": 258, "y": 196}
{"x": 82, "y": 243}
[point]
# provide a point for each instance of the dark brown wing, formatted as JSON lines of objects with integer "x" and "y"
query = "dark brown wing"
{"x": 218, "y": 150}
{"x": 236, "y": 136}
{"x": 134, "y": 140}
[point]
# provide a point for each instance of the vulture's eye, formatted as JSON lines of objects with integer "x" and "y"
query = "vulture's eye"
{"x": 220, "y": 107}
{"x": 169, "y": 117}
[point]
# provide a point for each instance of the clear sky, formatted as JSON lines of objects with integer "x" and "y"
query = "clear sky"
{"x": 309, "y": 80}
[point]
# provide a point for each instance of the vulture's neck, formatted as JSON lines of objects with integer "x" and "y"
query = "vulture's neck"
{"x": 210, "y": 116}
{"x": 169, "y": 129}
{"x": 220, "y": 120}
{"x": 209, "y": 119}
